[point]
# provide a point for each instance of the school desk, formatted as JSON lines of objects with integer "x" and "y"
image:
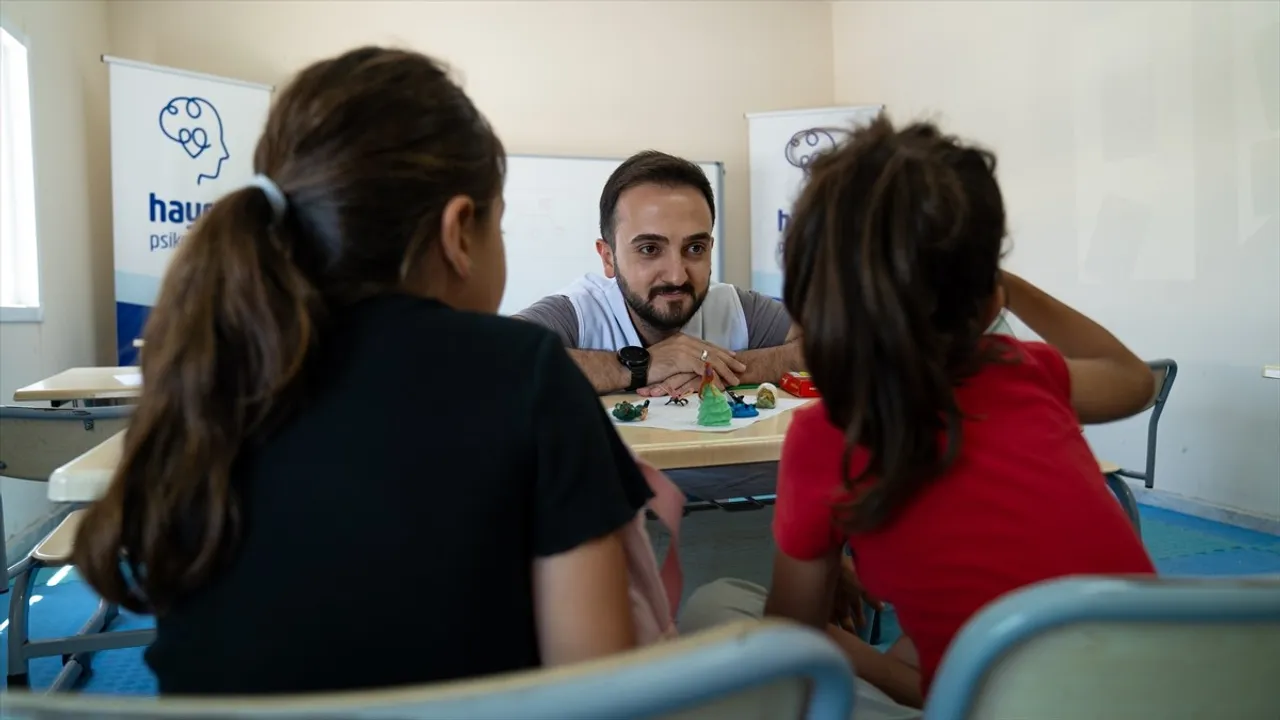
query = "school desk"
{"x": 85, "y": 478}
{"x": 665, "y": 449}
{"x": 85, "y": 384}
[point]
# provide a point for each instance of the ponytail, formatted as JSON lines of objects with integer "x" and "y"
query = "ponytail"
{"x": 226, "y": 342}
{"x": 890, "y": 262}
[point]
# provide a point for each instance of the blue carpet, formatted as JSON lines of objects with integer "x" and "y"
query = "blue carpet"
{"x": 715, "y": 544}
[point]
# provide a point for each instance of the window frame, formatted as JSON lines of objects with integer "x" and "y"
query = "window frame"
{"x": 30, "y": 313}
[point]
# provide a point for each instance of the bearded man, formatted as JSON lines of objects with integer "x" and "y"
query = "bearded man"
{"x": 654, "y": 317}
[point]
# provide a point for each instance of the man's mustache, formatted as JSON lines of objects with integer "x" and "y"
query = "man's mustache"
{"x": 687, "y": 289}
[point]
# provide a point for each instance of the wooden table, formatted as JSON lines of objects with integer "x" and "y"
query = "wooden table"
{"x": 81, "y": 384}
{"x": 677, "y": 449}
{"x": 86, "y": 478}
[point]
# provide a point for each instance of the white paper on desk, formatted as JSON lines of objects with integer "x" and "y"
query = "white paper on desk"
{"x": 132, "y": 380}
{"x": 677, "y": 417}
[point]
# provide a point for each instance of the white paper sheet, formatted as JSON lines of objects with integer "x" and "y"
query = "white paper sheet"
{"x": 676, "y": 417}
{"x": 133, "y": 380}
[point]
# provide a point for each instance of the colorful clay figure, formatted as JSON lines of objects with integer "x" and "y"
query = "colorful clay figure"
{"x": 626, "y": 412}
{"x": 713, "y": 408}
{"x": 743, "y": 409}
{"x": 740, "y": 407}
{"x": 766, "y": 396}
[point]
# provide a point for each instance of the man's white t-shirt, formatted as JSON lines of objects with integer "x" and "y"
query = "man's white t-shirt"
{"x": 591, "y": 314}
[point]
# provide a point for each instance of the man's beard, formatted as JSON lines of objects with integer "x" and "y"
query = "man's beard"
{"x": 664, "y": 320}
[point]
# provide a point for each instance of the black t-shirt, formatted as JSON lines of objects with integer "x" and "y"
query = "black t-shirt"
{"x": 391, "y": 523}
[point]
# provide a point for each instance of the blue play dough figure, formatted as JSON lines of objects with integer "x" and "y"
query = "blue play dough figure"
{"x": 740, "y": 407}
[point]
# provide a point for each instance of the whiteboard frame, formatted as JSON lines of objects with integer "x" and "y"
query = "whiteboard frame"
{"x": 717, "y": 189}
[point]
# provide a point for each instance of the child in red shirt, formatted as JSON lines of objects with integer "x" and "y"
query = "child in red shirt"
{"x": 950, "y": 460}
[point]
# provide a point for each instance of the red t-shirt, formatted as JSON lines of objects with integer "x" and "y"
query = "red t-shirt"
{"x": 1023, "y": 502}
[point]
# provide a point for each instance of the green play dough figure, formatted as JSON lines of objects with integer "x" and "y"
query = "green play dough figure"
{"x": 626, "y": 412}
{"x": 713, "y": 408}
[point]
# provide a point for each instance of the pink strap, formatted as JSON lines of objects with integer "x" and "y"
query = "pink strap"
{"x": 668, "y": 505}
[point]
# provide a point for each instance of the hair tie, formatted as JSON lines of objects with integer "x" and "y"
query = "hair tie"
{"x": 275, "y": 196}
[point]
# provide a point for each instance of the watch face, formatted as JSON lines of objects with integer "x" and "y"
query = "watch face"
{"x": 632, "y": 356}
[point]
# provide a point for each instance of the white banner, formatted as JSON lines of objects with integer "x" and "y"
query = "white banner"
{"x": 179, "y": 141}
{"x": 780, "y": 145}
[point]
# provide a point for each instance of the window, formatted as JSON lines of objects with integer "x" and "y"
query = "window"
{"x": 19, "y": 267}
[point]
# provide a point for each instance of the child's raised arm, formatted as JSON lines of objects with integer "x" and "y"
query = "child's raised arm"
{"x": 1108, "y": 382}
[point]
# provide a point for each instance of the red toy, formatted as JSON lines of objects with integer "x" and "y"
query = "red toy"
{"x": 799, "y": 384}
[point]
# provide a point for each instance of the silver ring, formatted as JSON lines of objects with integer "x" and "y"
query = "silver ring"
{"x": 704, "y": 356}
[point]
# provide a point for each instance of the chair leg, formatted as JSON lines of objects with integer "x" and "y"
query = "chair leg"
{"x": 76, "y": 665}
{"x": 1121, "y": 490}
{"x": 19, "y": 607}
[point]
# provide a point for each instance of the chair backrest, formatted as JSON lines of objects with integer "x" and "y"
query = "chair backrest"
{"x": 1103, "y": 648}
{"x": 1165, "y": 371}
{"x": 1000, "y": 326}
{"x": 36, "y": 441}
{"x": 768, "y": 670}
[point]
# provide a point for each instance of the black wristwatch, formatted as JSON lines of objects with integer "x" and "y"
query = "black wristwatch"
{"x": 635, "y": 359}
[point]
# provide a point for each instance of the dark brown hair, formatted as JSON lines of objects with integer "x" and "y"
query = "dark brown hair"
{"x": 891, "y": 263}
{"x": 650, "y": 167}
{"x": 368, "y": 148}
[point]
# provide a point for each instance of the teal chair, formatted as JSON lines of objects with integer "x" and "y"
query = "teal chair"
{"x": 33, "y": 443}
{"x": 1095, "y": 648}
{"x": 1165, "y": 372}
{"x": 751, "y": 670}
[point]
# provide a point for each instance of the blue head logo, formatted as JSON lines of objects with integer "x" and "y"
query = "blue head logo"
{"x": 194, "y": 124}
{"x": 806, "y": 145}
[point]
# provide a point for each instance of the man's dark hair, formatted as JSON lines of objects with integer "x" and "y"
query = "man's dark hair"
{"x": 650, "y": 167}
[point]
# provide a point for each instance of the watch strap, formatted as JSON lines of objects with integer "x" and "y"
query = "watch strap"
{"x": 639, "y": 377}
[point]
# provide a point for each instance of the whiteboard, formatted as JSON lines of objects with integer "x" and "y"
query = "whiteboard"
{"x": 552, "y": 221}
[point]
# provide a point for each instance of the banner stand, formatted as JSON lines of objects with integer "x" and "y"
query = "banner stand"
{"x": 780, "y": 145}
{"x": 179, "y": 141}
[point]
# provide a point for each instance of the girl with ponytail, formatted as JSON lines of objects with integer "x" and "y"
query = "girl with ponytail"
{"x": 298, "y": 487}
{"x": 949, "y": 460}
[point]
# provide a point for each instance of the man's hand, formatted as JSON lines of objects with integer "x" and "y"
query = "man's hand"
{"x": 846, "y": 610}
{"x": 682, "y": 353}
{"x": 677, "y": 385}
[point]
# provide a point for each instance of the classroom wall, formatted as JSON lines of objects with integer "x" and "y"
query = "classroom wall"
{"x": 73, "y": 214}
{"x": 1139, "y": 147}
{"x": 565, "y": 78}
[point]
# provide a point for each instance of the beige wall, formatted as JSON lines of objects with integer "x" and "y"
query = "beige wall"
{"x": 566, "y": 78}
{"x": 73, "y": 213}
{"x": 1139, "y": 147}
